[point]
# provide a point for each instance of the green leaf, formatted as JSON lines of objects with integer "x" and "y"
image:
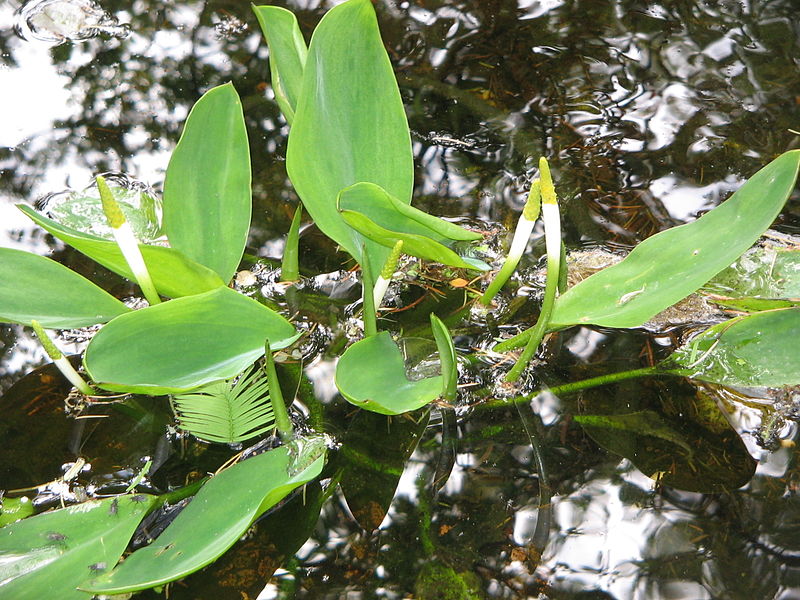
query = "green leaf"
{"x": 350, "y": 124}
{"x": 207, "y": 199}
{"x": 51, "y": 554}
{"x": 387, "y": 211}
{"x": 447, "y": 358}
{"x": 413, "y": 244}
{"x": 371, "y": 374}
{"x": 667, "y": 267}
{"x": 173, "y": 274}
{"x": 229, "y": 411}
{"x": 287, "y": 55}
{"x": 184, "y": 343}
{"x": 214, "y": 520}
{"x": 35, "y": 287}
{"x": 756, "y": 350}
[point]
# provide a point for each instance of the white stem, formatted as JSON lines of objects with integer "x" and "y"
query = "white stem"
{"x": 520, "y": 240}
{"x": 70, "y": 373}
{"x": 130, "y": 250}
{"x": 552, "y": 229}
{"x": 379, "y": 291}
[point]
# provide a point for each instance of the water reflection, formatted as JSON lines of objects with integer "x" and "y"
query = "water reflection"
{"x": 649, "y": 113}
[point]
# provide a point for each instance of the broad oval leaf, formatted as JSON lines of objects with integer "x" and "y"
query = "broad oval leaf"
{"x": 51, "y": 554}
{"x": 184, "y": 343}
{"x": 207, "y": 198}
{"x": 757, "y": 350}
{"x": 36, "y": 287}
{"x": 287, "y": 55}
{"x": 371, "y": 375}
{"x": 173, "y": 274}
{"x": 350, "y": 124}
{"x": 219, "y": 514}
{"x": 387, "y": 211}
{"x": 414, "y": 244}
{"x": 670, "y": 265}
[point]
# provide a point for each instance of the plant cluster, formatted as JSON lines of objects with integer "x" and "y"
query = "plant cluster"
{"x": 210, "y": 348}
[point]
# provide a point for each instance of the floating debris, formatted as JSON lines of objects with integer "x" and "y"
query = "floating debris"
{"x": 58, "y": 21}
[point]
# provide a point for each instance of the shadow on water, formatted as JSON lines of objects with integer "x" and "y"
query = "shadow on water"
{"x": 649, "y": 113}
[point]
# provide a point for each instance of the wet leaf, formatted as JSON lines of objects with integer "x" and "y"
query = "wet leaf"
{"x": 184, "y": 343}
{"x": 756, "y": 350}
{"x": 350, "y": 124}
{"x": 51, "y": 554}
{"x": 287, "y": 55}
{"x": 214, "y": 520}
{"x": 373, "y": 464}
{"x": 83, "y": 211}
{"x": 35, "y": 287}
{"x": 207, "y": 199}
{"x": 763, "y": 278}
{"x": 371, "y": 374}
{"x": 173, "y": 274}
{"x": 672, "y": 264}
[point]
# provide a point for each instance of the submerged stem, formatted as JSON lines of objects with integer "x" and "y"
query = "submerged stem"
{"x": 282, "y": 421}
{"x": 126, "y": 241}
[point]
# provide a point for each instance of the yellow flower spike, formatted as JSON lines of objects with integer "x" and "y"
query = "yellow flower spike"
{"x": 126, "y": 241}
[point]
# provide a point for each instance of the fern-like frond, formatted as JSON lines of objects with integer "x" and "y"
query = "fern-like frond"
{"x": 228, "y": 411}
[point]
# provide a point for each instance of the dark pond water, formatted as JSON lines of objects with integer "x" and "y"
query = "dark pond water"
{"x": 650, "y": 113}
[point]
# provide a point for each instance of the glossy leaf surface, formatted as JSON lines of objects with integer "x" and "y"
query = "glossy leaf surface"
{"x": 371, "y": 375}
{"x": 84, "y": 211}
{"x": 287, "y": 55}
{"x": 447, "y": 358}
{"x": 173, "y": 274}
{"x": 387, "y": 211}
{"x": 757, "y": 350}
{"x": 413, "y": 244}
{"x": 207, "y": 199}
{"x": 670, "y": 265}
{"x": 184, "y": 343}
{"x": 51, "y": 554}
{"x": 36, "y": 287}
{"x": 214, "y": 520}
{"x": 350, "y": 125}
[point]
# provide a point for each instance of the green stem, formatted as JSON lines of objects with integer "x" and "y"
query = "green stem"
{"x": 290, "y": 264}
{"x": 367, "y": 293}
{"x": 540, "y": 328}
{"x": 282, "y": 421}
{"x": 60, "y": 361}
{"x": 576, "y": 386}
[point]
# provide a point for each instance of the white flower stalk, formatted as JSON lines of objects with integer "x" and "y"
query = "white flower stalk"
{"x": 552, "y": 235}
{"x": 389, "y": 267}
{"x": 60, "y": 360}
{"x": 127, "y": 242}
{"x": 518, "y": 243}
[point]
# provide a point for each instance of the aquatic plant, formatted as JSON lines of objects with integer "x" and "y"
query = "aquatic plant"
{"x": 349, "y": 158}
